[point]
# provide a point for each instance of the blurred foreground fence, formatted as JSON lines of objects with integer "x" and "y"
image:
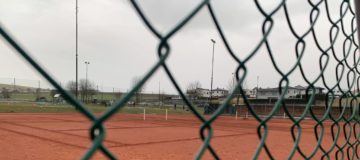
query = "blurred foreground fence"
{"x": 342, "y": 30}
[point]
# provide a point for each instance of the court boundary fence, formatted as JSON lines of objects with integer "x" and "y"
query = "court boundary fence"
{"x": 348, "y": 98}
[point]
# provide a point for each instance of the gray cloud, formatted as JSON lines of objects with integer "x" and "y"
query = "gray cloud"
{"x": 118, "y": 45}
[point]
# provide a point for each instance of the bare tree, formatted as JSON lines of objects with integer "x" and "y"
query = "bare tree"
{"x": 232, "y": 84}
{"x": 161, "y": 98}
{"x": 71, "y": 86}
{"x": 135, "y": 81}
{"x": 191, "y": 89}
{"x": 52, "y": 93}
{"x": 194, "y": 85}
{"x": 245, "y": 85}
{"x": 5, "y": 93}
{"x": 86, "y": 89}
{"x": 118, "y": 94}
{"x": 37, "y": 94}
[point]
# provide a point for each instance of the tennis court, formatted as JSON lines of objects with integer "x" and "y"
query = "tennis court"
{"x": 65, "y": 136}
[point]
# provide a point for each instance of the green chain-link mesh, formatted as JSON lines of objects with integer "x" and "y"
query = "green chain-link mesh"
{"x": 347, "y": 102}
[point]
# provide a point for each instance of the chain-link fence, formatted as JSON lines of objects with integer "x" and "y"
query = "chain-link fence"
{"x": 342, "y": 29}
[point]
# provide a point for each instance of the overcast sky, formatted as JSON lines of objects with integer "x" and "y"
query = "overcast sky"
{"x": 119, "y": 47}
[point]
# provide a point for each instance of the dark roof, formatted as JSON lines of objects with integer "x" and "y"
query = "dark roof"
{"x": 219, "y": 89}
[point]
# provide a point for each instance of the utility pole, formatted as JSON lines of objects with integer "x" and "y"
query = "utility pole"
{"x": 97, "y": 92}
{"x": 212, "y": 69}
{"x": 257, "y": 86}
{"x": 159, "y": 95}
{"x": 76, "y": 49}
{"x": 14, "y": 85}
{"x": 236, "y": 91}
{"x": 38, "y": 91}
{"x": 86, "y": 81}
{"x": 102, "y": 92}
{"x": 233, "y": 80}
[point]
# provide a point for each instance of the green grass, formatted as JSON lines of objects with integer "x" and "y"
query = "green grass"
{"x": 29, "y": 96}
{"x": 99, "y": 96}
{"x": 51, "y": 108}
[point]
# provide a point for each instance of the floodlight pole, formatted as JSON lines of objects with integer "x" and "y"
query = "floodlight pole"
{"x": 14, "y": 84}
{"x": 159, "y": 95}
{"x": 212, "y": 69}
{"x": 233, "y": 81}
{"x": 257, "y": 86}
{"x": 86, "y": 81}
{"x": 76, "y": 50}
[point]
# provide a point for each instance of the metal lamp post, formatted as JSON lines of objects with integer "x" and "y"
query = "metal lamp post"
{"x": 76, "y": 50}
{"x": 257, "y": 87}
{"x": 212, "y": 69}
{"x": 86, "y": 81}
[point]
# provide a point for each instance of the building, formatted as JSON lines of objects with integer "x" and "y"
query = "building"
{"x": 273, "y": 93}
{"x": 251, "y": 93}
{"x": 292, "y": 92}
{"x": 218, "y": 93}
{"x": 201, "y": 93}
{"x": 302, "y": 90}
{"x": 198, "y": 93}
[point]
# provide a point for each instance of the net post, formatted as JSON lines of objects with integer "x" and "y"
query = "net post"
{"x": 166, "y": 114}
{"x": 144, "y": 114}
{"x": 236, "y": 115}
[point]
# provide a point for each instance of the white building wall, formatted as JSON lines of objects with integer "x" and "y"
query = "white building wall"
{"x": 274, "y": 93}
{"x": 264, "y": 94}
{"x": 292, "y": 92}
{"x": 205, "y": 93}
{"x": 218, "y": 93}
{"x": 303, "y": 91}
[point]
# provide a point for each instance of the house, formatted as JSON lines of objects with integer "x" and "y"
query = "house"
{"x": 251, "y": 93}
{"x": 201, "y": 93}
{"x": 198, "y": 93}
{"x": 292, "y": 92}
{"x": 175, "y": 97}
{"x": 302, "y": 90}
{"x": 273, "y": 93}
{"x": 218, "y": 92}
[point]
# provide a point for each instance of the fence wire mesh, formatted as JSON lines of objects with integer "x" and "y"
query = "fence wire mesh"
{"x": 347, "y": 62}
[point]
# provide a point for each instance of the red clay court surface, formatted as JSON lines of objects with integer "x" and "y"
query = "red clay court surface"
{"x": 65, "y": 136}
